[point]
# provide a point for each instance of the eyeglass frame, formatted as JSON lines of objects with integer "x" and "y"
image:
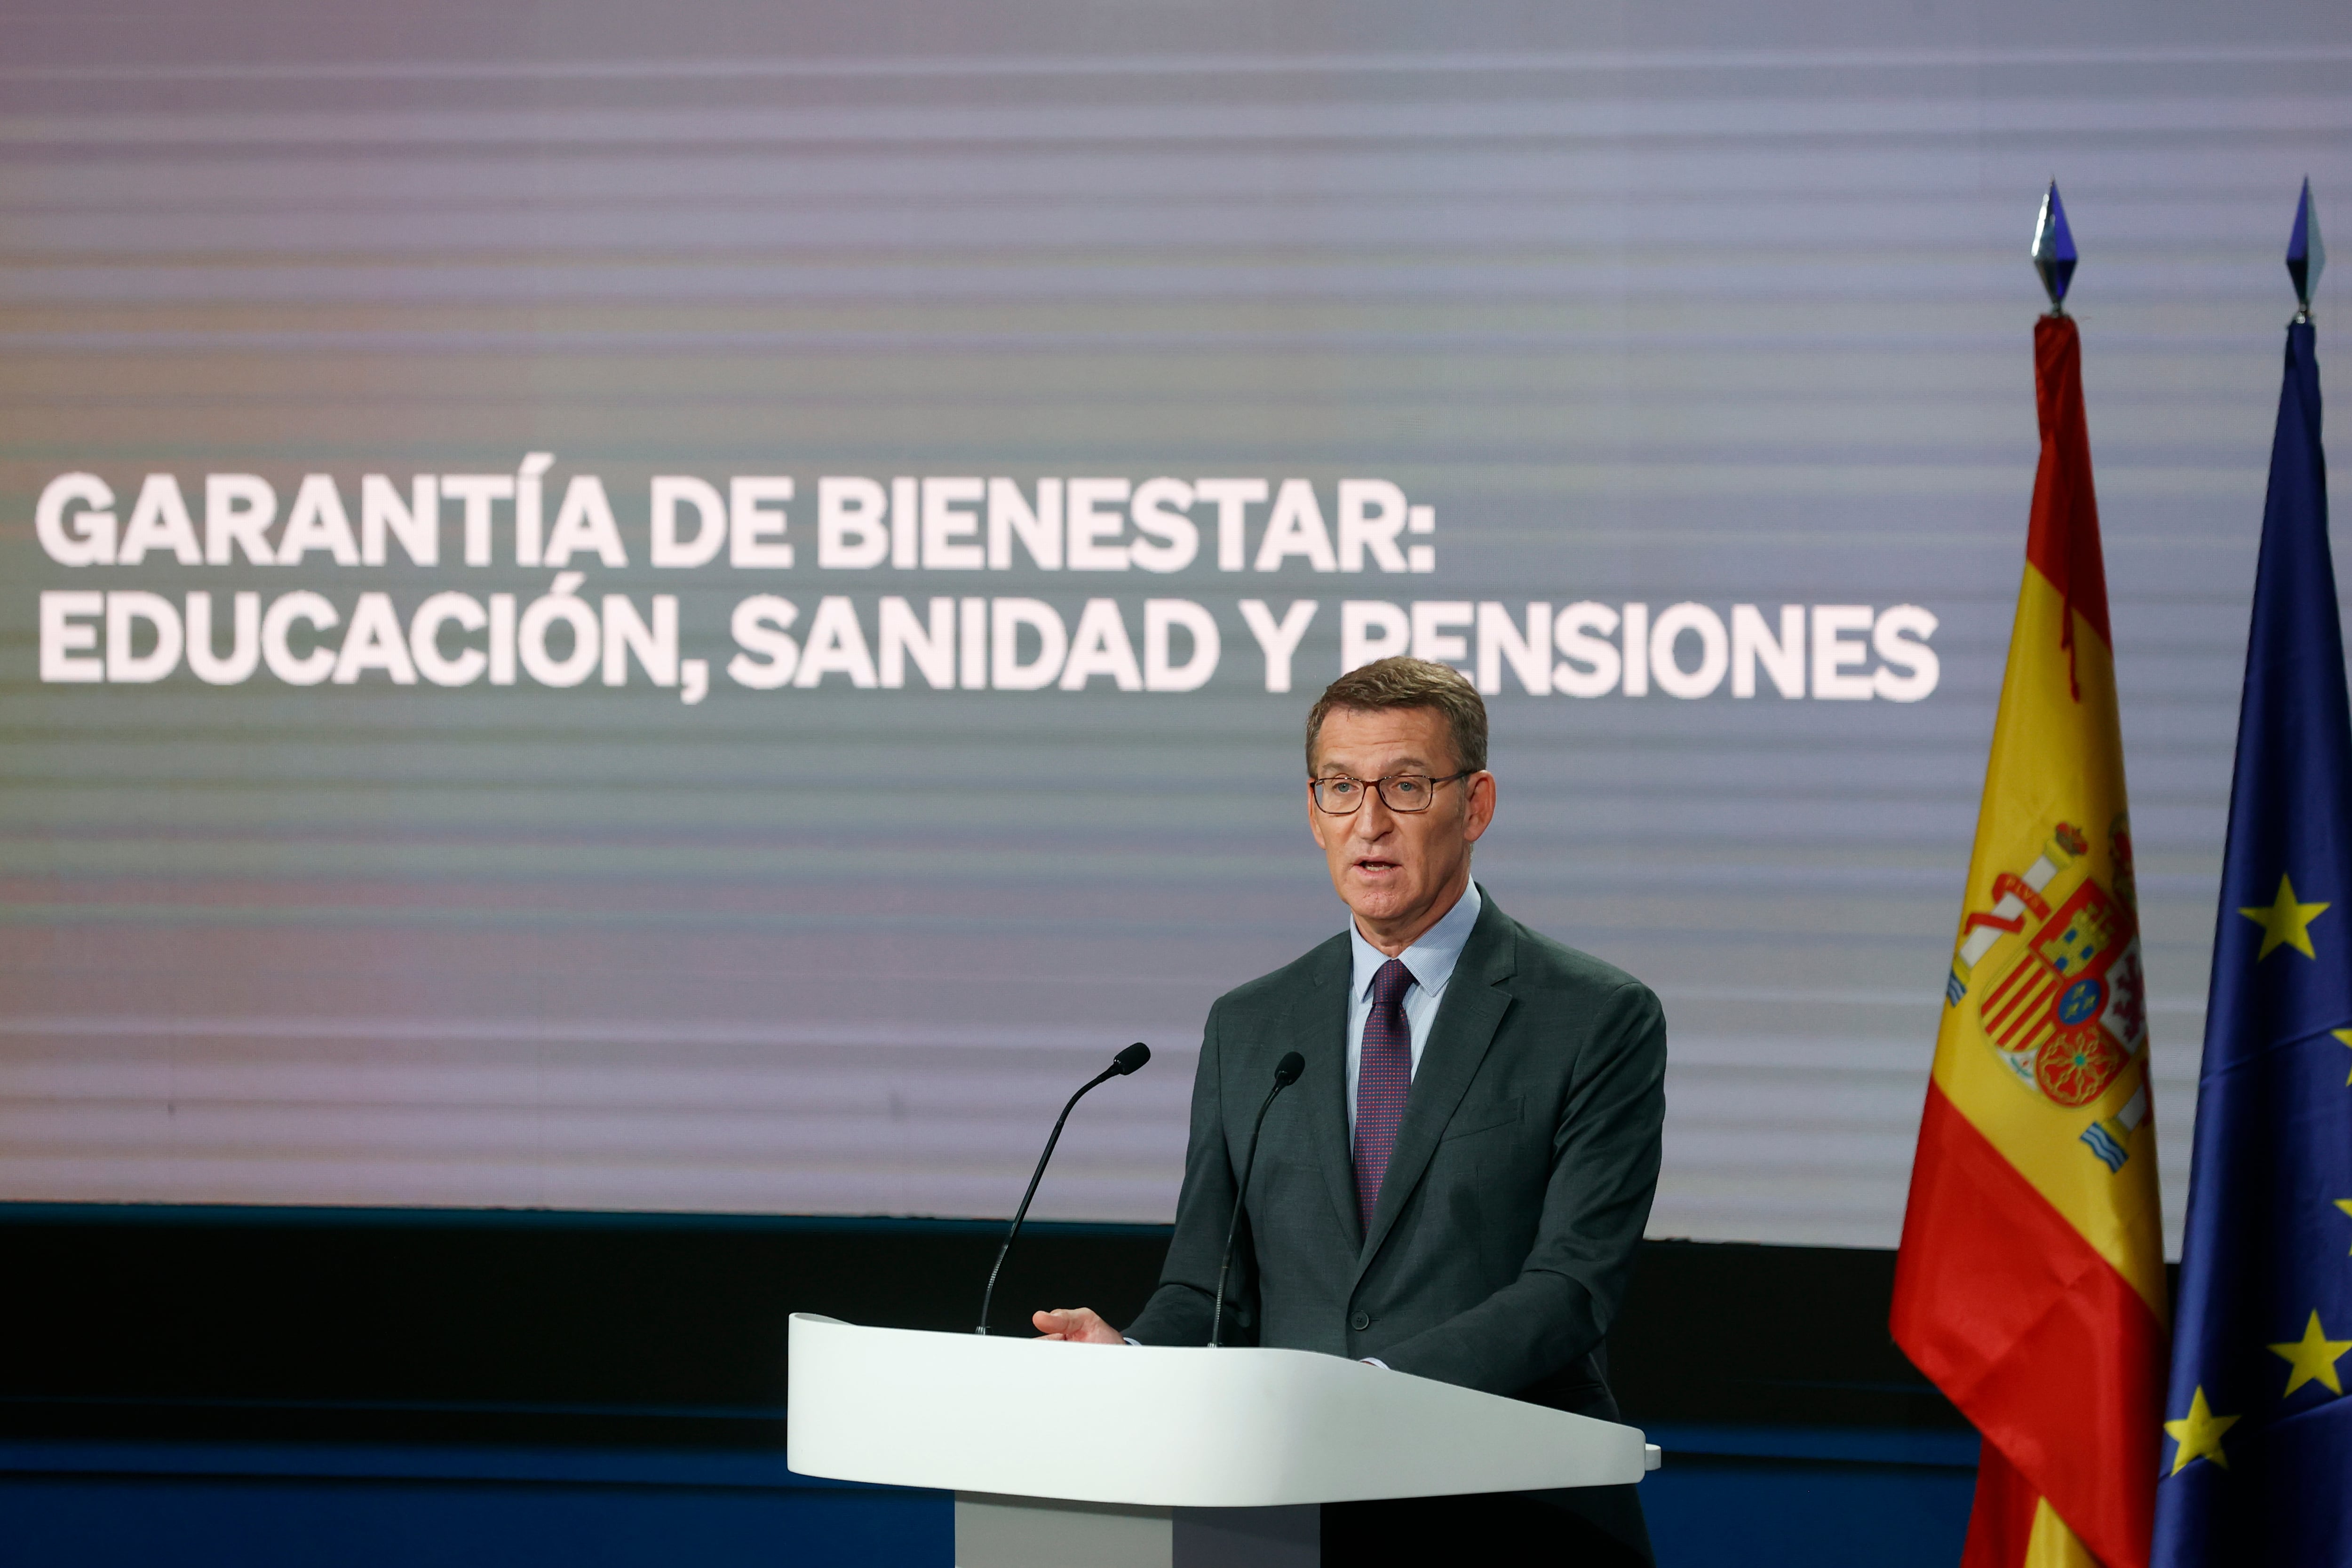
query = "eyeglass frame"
{"x": 1314, "y": 796}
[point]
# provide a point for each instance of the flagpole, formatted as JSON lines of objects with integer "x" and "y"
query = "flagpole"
{"x": 2305, "y": 255}
{"x": 2054, "y": 250}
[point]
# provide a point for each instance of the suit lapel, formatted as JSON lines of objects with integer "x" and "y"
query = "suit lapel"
{"x": 1464, "y": 1028}
{"x": 1320, "y": 1030}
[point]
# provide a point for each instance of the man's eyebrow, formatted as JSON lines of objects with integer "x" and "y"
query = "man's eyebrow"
{"x": 1402, "y": 764}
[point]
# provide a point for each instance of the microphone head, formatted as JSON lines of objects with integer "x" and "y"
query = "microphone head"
{"x": 1133, "y": 1056}
{"x": 1286, "y": 1070}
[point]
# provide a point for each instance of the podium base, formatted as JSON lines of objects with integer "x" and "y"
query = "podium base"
{"x": 992, "y": 1532}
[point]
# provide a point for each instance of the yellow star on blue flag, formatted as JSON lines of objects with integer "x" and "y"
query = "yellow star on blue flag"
{"x": 2285, "y": 923}
{"x": 2313, "y": 1358}
{"x": 2198, "y": 1435}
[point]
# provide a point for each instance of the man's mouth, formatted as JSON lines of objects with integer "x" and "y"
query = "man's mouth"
{"x": 1376, "y": 866}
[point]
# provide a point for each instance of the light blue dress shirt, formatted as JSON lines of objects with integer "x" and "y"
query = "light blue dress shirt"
{"x": 1432, "y": 961}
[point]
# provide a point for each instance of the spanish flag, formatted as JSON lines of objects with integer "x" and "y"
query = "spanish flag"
{"x": 2031, "y": 1283}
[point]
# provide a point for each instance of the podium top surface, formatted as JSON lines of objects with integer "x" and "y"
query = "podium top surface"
{"x": 1162, "y": 1427}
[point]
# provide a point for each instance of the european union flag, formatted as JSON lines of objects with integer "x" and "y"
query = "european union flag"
{"x": 2257, "y": 1467}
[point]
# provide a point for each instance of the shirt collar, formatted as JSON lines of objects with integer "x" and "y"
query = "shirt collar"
{"x": 1432, "y": 958}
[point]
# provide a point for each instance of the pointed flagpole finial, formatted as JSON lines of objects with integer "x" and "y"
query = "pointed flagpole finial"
{"x": 2305, "y": 256}
{"x": 2053, "y": 250}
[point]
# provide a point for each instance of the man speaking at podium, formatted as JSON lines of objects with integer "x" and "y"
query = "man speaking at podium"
{"x": 1456, "y": 1185}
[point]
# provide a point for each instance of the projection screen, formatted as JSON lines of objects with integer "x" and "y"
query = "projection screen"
{"x": 690, "y": 609}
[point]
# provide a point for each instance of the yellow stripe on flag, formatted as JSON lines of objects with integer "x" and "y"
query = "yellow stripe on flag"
{"x": 2055, "y": 761}
{"x": 2052, "y": 1545}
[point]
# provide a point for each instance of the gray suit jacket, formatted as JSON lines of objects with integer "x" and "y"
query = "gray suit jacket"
{"x": 1520, "y": 1183}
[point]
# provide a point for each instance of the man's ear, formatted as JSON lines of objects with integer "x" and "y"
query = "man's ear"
{"x": 1478, "y": 806}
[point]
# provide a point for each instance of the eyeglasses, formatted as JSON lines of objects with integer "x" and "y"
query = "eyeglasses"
{"x": 1339, "y": 794}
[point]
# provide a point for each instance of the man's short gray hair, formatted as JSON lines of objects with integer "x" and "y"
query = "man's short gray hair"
{"x": 1404, "y": 682}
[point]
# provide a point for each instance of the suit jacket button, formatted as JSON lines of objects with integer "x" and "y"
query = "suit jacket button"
{"x": 1360, "y": 1321}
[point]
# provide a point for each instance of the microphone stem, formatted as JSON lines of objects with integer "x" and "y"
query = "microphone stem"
{"x": 1234, "y": 1225}
{"x": 1035, "y": 1177}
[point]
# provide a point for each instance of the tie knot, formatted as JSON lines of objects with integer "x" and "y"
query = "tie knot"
{"x": 1390, "y": 984}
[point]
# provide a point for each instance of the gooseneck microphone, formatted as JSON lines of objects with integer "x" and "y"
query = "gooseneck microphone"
{"x": 1285, "y": 1073}
{"x": 1124, "y": 1062}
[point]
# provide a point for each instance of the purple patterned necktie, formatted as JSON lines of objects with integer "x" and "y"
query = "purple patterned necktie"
{"x": 1381, "y": 1079}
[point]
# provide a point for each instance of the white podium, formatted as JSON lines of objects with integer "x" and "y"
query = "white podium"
{"x": 1065, "y": 1455}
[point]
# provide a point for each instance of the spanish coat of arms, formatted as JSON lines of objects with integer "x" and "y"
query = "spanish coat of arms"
{"x": 2054, "y": 968}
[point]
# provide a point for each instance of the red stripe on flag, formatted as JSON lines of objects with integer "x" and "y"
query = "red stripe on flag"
{"x": 2033, "y": 1333}
{"x": 2062, "y": 542}
{"x": 2031, "y": 1009}
{"x": 2030, "y": 1041}
{"x": 2008, "y": 987}
{"x": 2000, "y": 1522}
{"x": 2027, "y": 973}
{"x": 2029, "y": 1031}
{"x": 2020, "y": 1008}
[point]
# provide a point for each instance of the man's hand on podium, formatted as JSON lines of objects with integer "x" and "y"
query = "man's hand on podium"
{"x": 1079, "y": 1325}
